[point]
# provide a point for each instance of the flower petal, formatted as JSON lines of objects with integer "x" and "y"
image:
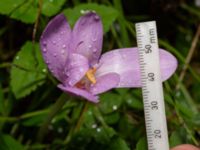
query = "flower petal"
{"x": 125, "y": 63}
{"x": 88, "y": 36}
{"x": 79, "y": 92}
{"x": 76, "y": 67}
{"x": 105, "y": 83}
{"x": 55, "y": 45}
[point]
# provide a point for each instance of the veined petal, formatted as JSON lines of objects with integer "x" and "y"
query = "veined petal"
{"x": 88, "y": 36}
{"x": 79, "y": 92}
{"x": 55, "y": 45}
{"x": 105, "y": 83}
{"x": 76, "y": 67}
{"x": 125, "y": 63}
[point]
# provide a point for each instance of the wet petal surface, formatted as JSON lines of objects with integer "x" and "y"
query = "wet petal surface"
{"x": 105, "y": 83}
{"x": 125, "y": 63}
{"x": 79, "y": 92}
{"x": 55, "y": 45}
{"x": 88, "y": 36}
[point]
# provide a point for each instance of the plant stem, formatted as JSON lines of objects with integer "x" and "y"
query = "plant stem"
{"x": 53, "y": 111}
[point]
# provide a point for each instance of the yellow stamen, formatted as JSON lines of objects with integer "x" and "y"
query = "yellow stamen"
{"x": 90, "y": 75}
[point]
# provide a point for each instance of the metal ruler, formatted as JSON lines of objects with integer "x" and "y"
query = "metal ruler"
{"x": 152, "y": 89}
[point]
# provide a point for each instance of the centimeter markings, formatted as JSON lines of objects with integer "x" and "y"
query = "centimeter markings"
{"x": 152, "y": 90}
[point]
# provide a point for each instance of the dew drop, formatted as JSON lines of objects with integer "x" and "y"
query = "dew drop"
{"x": 90, "y": 46}
{"x": 50, "y": 127}
{"x": 44, "y": 70}
{"x": 114, "y": 107}
{"x": 17, "y": 57}
{"x": 94, "y": 126}
{"x": 98, "y": 129}
{"x": 53, "y": 120}
{"x": 60, "y": 130}
{"x": 54, "y": 54}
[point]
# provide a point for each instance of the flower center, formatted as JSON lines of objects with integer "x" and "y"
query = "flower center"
{"x": 88, "y": 79}
{"x": 90, "y": 75}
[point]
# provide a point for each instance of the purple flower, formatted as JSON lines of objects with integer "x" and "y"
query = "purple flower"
{"x": 73, "y": 57}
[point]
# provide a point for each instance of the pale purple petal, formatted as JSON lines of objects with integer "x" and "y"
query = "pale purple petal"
{"x": 105, "y": 83}
{"x": 76, "y": 68}
{"x": 55, "y": 45}
{"x": 79, "y": 92}
{"x": 125, "y": 63}
{"x": 88, "y": 36}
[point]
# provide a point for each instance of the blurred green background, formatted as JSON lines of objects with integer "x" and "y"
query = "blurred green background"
{"x": 29, "y": 99}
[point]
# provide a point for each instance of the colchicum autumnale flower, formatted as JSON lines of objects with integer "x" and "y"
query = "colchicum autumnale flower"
{"x": 74, "y": 58}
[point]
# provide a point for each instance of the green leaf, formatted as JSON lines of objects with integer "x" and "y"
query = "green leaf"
{"x": 27, "y": 10}
{"x": 51, "y": 7}
{"x": 108, "y": 14}
{"x": 7, "y": 6}
{"x": 2, "y": 105}
{"x": 28, "y": 70}
{"x": 175, "y": 139}
{"x": 118, "y": 144}
{"x": 110, "y": 102}
{"x": 142, "y": 144}
{"x": 7, "y": 142}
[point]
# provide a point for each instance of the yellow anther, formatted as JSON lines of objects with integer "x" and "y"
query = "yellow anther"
{"x": 90, "y": 75}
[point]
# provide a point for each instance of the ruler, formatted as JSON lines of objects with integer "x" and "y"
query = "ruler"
{"x": 152, "y": 90}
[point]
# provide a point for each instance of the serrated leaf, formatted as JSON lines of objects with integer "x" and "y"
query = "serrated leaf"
{"x": 51, "y": 7}
{"x": 7, "y": 142}
{"x": 27, "y": 71}
{"x": 108, "y": 14}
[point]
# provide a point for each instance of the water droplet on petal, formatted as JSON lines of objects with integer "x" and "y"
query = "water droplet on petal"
{"x": 94, "y": 50}
{"x": 63, "y": 51}
{"x": 94, "y": 39}
{"x": 54, "y": 42}
{"x": 54, "y": 54}
{"x": 44, "y": 43}
{"x": 70, "y": 82}
{"x": 96, "y": 18}
{"x": 90, "y": 46}
{"x": 81, "y": 69}
{"x": 44, "y": 50}
{"x": 64, "y": 46}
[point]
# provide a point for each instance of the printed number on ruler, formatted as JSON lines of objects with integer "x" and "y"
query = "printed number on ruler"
{"x": 152, "y": 90}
